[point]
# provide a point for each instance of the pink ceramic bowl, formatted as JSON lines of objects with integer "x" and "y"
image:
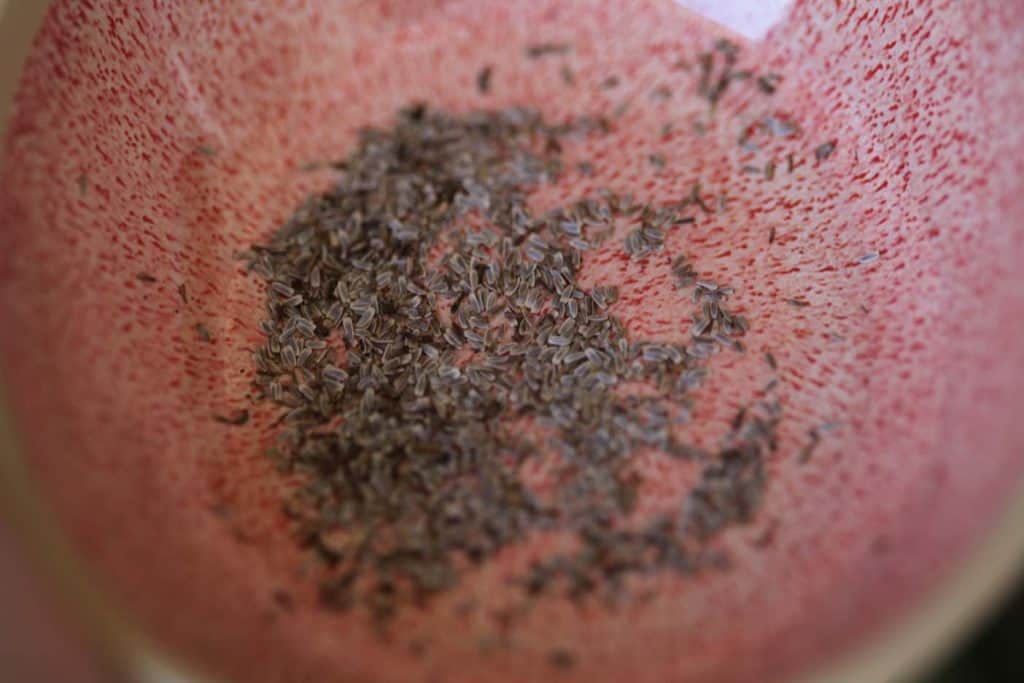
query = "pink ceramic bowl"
{"x": 157, "y": 139}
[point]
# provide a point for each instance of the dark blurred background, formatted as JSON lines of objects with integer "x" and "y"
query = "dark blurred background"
{"x": 994, "y": 655}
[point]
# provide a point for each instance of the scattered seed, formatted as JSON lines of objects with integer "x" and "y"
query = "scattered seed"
{"x": 768, "y": 83}
{"x": 807, "y": 451}
{"x": 483, "y": 79}
{"x": 869, "y": 257}
{"x": 544, "y": 49}
{"x": 824, "y": 150}
{"x": 409, "y": 474}
{"x": 283, "y": 599}
{"x": 561, "y": 659}
{"x": 235, "y": 418}
{"x": 780, "y": 128}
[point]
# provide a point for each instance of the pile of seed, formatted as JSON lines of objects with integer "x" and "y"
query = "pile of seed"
{"x": 419, "y": 315}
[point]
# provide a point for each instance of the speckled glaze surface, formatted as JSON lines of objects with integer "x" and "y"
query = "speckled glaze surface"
{"x": 161, "y": 140}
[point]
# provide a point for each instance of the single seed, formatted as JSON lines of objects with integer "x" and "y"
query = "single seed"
{"x": 561, "y": 659}
{"x": 203, "y": 333}
{"x": 869, "y": 257}
{"x": 780, "y": 127}
{"x": 544, "y": 49}
{"x": 483, "y": 79}
{"x": 768, "y": 83}
{"x": 235, "y": 418}
{"x": 824, "y": 150}
{"x": 808, "y": 449}
{"x": 282, "y": 289}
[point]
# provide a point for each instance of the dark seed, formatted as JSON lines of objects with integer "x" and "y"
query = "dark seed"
{"x": 283, "y": 599}
{"x": 768, "y": 83}
{"x": 483, "y": 79}
{"x": 561, "y": 659}
{"x": 236, "y": 418}
{"x": 824, "y": 150}
{"x": 808, "y": 449}
{"x": 869, "y": 257}
{"x": 544, "y": 49}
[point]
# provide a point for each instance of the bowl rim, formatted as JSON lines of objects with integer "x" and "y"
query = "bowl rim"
{"x": 907, "y": 647}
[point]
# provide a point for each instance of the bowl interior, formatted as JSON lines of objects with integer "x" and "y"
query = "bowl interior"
{"x": 149, "y": 146}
